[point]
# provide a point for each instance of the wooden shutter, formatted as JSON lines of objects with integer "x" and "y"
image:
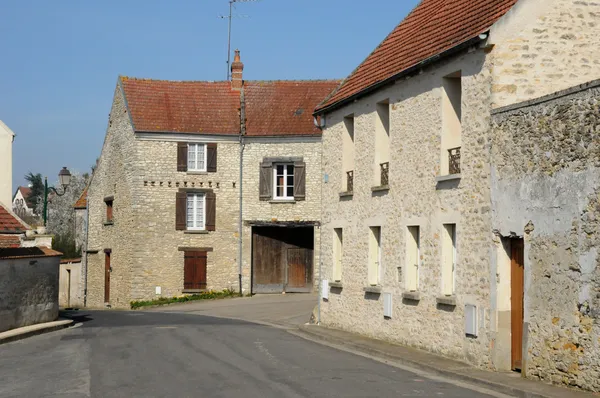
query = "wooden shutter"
{"x": 182, "y": 152}
{"x": 211, "y": 158}
{"x": 266, "y": 181}
{"x": 194, "y": 270}
{"x": 299, "y": 181}
{"x": 211, "y": 210}
{"x": 180, "y": 211}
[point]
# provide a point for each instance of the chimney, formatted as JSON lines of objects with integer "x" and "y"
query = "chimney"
{"x": 237, "y": 67}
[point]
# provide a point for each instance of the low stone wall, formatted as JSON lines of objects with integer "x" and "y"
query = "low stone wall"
{"x": 28, "y": 291}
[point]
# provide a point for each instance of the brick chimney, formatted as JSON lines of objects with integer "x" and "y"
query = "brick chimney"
{"x": 237, "y": 67}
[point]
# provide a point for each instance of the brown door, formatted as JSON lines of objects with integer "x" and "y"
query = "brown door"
{"x": 194, "y": 270}
{"x": 517, "y": 274}
{"x": 107, "y": 277}
{"x": 299, "y": 267}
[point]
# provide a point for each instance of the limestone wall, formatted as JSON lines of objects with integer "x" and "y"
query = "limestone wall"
{"x": 28, "y": 291}
{"x": 115, "y": 175}
{"x": 414, "y": 198}
{"x": 543, "y": 46}
{"x": 546, "y": 187}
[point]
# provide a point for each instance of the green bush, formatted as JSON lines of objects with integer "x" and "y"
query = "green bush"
{"x": 209, "y": 295}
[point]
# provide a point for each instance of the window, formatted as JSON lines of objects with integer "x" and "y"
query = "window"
{"x": 412, "y": 259}
{"x": 283, "y": 181}
{"x": 194, "y": 270}
{"x": 348, "y": 155}
{"x": 382, "y": 144}
{"x": 452, "y": 124}
{"x": 196, "y": 157}
{"x": 108, "y": 201}
{"x": 338, "y": 244}
{"x": 374, "y": 270}
{"x": 195, "y": 211}
{"x": 448, "y": 259}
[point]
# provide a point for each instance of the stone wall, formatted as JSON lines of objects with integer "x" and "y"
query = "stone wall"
{"x": 308, "y": 210}
{"x": 115, "y": 175}
{"x": 543, "y": 46}
{"x": 28, "y": 291}
{"x": 414, "y": 198}
{"x": 546, "y": 187}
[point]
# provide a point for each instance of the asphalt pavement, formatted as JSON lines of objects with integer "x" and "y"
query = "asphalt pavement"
{"x": 160, "y": 354}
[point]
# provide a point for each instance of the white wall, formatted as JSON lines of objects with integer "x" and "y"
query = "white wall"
{"x": 6, "y": 140}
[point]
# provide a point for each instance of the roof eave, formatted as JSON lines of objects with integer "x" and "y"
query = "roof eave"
{"x": 374, "y": 87}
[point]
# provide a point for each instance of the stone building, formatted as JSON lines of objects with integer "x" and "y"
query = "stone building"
{"x": 419, "y": 245}
{"x": 164, "y": 201}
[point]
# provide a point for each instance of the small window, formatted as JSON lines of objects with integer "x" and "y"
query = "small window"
{"x": 348, "y": 155}
{"x": 283, "y": 181}
{"x": 109, "y": 209}
{"x": 194, "y": 270}
{"x": 448, "y": 259}
{"x": 196, "y": 157}
{"x": 338, "y": 248}
{"x": 196, "y": 211}
{"x": 374, "y": 271}
{"x": 412, "y": 259}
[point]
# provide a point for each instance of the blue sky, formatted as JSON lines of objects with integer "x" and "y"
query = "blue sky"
{"x": 60, "y": 59}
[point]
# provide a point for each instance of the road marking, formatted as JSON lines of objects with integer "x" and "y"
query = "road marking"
{"x": 165, "y": 327}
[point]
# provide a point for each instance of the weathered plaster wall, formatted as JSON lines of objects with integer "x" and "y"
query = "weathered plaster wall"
{"x": 70, "y": 285}
{"x": 546, "y": 186}
{"x": 543, "y": 46}
{"x": 115, "y": 175}
{"x": 414, "y": 198}
{"x": 308, "y": 210}
{"x": 28, "y": 291}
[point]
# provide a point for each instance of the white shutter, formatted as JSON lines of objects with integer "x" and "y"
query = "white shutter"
{"x": 471, "y": 320}
{"x": 387, "y": 305}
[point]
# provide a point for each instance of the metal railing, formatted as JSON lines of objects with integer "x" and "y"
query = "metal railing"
{"x": 385, "y": 175}
{"x": 454, "y": 160}
{"x": 350, "y": 181}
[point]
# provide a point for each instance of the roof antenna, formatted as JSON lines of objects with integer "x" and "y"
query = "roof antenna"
{"x": 228, "y": 17}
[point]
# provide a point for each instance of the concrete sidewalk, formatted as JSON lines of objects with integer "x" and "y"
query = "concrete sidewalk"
{"x": 507, "y": 383}
{"x": 27, "y": 331}
{"x": 281, "y": 310}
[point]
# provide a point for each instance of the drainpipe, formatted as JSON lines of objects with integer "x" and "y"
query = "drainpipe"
{"x": 85, "y": 257}
{"x": 321, "y": 237}
{"x": 241, "y": 181}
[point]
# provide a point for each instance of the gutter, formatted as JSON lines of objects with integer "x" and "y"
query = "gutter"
{"x": 406, "y": 72}
{"x": 241, "y": 195}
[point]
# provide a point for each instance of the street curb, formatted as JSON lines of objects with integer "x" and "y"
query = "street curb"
{"x": 308, "y": 332}
{"x": 34, "y": 330}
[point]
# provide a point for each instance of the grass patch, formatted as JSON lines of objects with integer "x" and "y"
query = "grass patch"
{"x": 209, "y": 295}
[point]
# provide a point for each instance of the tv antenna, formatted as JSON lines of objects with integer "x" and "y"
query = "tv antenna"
{"x": 228, "y": 17}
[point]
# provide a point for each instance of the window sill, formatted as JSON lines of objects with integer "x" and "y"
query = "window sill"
{"x": 337, "y": 285}
{"x": 197, "y": 173}
{"x": 373, "y": 289}
{"x": 449, "y": 177}
{"x": 380, "y": 188}
{"x": 108, "y": 223}
{"x": 347, "y": 194}
{"x": 192, "y": 291}
{"x": 446, "y": 300}
{"x": 196, "y": 232}
{"x": 412, "y": 296}
{"x": 277, "y": 201}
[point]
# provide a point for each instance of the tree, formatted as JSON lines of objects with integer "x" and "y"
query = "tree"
{"x": 37, "y": 190}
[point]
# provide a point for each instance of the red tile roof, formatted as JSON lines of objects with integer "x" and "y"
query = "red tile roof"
{"x": 10, "y": 223}
{"x": 10, "y": 241}
{"x": 25, "y": 191}
{"x": 182, "y": 107}
{"x": 272, "y": 107}
{"x": 284, "y": 107}
{"x": 82, "y": 201}
{"x": 28, "y": 252}
{"x": 433, "y": 27}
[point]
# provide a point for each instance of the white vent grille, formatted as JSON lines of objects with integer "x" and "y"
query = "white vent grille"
{"x": 325, "y": 289}
{"x": 387, "y": 305}
{"x": 471, "y": 320}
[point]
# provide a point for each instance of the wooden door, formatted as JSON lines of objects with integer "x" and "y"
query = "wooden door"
{"x": 299, "y": 262}
{"x": 107, "y": 277}
{"x": 194, "y": 270}
{"x": 517, "y": 278}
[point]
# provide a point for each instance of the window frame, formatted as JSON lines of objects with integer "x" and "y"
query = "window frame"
{"x": 195, "y": 208}
{"x": 195, "y": 168}
{"x": 286, "y": 187}
{"x": 338, "y": 250}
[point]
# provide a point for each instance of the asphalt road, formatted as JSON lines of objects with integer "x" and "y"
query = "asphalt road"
{"x": 152, "y": 354}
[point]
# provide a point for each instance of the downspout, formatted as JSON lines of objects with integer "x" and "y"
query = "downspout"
{"x": 85, "y": 267}
{"x": 321, "y": 237}
{"x": 241, "y": 183}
